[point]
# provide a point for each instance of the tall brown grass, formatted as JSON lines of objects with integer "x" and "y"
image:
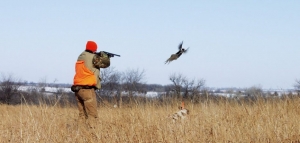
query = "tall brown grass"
{"x": 273, "y": 120}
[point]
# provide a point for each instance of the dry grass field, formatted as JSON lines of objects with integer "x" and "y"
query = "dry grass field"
{"x": 261, "y": 121}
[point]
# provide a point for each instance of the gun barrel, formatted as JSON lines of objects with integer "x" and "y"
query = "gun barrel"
{"x": 111, "y": 54}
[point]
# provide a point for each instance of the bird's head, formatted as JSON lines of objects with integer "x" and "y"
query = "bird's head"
{"x": 185, "y": 50}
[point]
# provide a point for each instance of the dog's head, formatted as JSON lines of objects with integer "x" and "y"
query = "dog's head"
{"x": 185, "y": 111}
{"x": 182, "y": 109}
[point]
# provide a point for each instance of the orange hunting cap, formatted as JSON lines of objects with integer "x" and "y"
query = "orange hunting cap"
{"x": 91, "y": 46}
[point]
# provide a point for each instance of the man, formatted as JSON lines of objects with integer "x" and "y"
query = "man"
{"x": 86, "y": 81}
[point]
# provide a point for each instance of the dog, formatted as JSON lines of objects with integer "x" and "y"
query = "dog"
{"x": 180, "y": 115}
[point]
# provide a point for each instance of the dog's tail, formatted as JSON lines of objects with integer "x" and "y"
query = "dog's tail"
{"x": 182, "y": 105}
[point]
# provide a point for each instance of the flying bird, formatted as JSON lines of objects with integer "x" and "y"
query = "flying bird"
{"x": 178, "y": 54}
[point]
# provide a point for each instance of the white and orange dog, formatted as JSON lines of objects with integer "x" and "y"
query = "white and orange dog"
{"x": 181, "y": 114}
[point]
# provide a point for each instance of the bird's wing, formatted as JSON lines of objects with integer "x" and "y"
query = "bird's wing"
{"x": 180, "y": 46}
{"x": 186, "y": 50}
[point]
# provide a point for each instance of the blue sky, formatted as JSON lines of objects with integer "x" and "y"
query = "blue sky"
{"x": 232, "y": 43}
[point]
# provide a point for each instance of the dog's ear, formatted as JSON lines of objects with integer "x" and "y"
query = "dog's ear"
{"x": 179, "y": 107}
{"x": 187, "y": 111}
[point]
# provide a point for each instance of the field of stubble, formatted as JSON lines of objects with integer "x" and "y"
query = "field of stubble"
{"x": 273, "y": 121}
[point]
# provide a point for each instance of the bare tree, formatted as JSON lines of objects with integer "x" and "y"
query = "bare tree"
{"x": 110, "y": 80}
{"x": 178, "y": 81}
{"x": 42, "y": 84}
{"x": 297, "y": 86}
{"x": 9, "y": 86}
{"x": 192, "y": 87}
{"x": 133, "y": 81}
{"x": 189, "y": 88}
{"x": 254, "y": 91}
{"x": 133, "y": 84}
{"x": 111, "y": 84}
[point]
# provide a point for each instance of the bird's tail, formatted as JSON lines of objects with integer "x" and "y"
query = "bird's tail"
{"x": 167, "y": 61}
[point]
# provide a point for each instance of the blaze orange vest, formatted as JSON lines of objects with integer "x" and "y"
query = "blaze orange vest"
{"x": 83, "y": 75}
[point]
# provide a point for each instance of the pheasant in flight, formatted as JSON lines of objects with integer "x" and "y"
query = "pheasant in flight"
{"x": 178, "y": 54}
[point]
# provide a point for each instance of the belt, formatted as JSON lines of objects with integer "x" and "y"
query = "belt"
{"x": 86, "y": 87}
{"x": 76, "y": 88}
